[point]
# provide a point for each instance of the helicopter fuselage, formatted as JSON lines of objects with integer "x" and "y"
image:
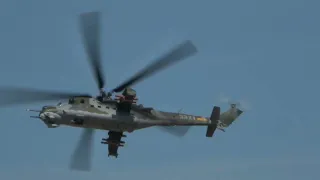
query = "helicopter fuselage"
{"x": 90, "y": 113}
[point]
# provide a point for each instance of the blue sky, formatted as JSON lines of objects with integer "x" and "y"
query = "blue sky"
{"x": 264, "y": 52}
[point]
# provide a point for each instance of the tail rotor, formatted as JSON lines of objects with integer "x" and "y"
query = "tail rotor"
{"x": 242, "y": 105}
{"x": 235, "y": 110}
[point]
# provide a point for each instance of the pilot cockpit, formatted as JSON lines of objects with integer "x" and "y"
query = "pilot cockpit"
{"x": 61, "y": 103}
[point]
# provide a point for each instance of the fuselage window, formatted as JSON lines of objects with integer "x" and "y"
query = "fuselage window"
{"x": 71, "y": 101}
{"x": 99, "y": 106}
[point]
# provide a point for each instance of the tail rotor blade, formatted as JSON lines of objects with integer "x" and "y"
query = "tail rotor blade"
{"x": 81, "y": 158}
{"x": 242, "y": 104}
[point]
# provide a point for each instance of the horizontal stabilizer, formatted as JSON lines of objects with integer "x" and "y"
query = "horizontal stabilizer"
{"x": 215, "y": 116}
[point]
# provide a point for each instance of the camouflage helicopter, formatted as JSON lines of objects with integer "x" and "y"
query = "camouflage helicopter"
{"x": 116, "y": 114}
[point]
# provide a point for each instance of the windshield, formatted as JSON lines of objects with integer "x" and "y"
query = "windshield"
{"x": 61, "y": 103}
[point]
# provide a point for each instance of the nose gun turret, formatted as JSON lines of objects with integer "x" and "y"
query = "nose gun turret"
{"x": 48, "y": 117}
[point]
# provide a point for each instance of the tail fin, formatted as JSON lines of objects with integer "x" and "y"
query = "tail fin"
{"x": 228, "y": 117}
{"x": 215, "y": 116}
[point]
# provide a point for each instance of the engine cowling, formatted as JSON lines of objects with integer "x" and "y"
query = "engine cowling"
{"x": 128, "y": 96}
{"x": 130, "y": 93}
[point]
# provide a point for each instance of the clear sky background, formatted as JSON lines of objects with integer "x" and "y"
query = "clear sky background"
{"x": 263, "y": 52}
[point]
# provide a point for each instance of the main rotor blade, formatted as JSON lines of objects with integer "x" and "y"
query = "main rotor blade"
{"x": 82, "y": 155}
{"x": 90, "y": 30}
{"x": 15, "y": 95}
{"x": 180, "y": 52}
{"x": 178, "y": 131}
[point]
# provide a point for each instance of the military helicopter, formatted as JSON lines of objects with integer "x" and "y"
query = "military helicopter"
{"x": 118, "y": 113}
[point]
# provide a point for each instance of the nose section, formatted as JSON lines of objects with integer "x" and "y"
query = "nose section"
{"x": 51, "y": 119}
{"x": 42, "y": 116}
{"x": 50, "y": 115}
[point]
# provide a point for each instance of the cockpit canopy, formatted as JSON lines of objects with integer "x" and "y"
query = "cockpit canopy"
{"x": 48, "y": 107}
{"x": 62, "y": 103}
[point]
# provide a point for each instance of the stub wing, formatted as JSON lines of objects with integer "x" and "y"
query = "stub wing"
{"x": 114, "y": 142}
